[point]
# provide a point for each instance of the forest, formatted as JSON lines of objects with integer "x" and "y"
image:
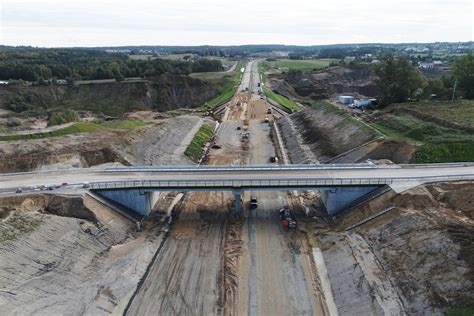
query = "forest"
{"x": 37, "y": 65}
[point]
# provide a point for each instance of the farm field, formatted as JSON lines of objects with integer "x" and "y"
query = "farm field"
{"x": 286, "y": 64}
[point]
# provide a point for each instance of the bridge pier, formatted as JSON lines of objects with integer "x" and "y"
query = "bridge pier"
{"x": 337, "y": 199}
{"x": 238, "y": 202}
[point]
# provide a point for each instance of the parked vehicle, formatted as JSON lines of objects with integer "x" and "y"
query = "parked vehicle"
{"x": 287, "y": 218}
{"x": 253, "y": 202}
{"x": 273, "y": 159}
{"x": 19, "y": 190}
{"x": 269, "y": 111}
{"x": 246, "y": 136}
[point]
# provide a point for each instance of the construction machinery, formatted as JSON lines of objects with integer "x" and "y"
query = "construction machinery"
{"x": 287, "y": 218}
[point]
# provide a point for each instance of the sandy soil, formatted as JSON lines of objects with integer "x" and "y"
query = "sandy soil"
{"x": 67, "y": 265}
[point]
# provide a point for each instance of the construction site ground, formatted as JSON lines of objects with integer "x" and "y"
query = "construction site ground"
{"x": 63, "y": 253}
{"x": 211, "y": 263}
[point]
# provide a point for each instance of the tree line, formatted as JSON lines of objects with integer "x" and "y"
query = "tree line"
{"x": 80, "y": 64}
{"x": 400, "y": 81}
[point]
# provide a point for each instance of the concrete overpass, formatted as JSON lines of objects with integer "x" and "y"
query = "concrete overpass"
{"x": 341, "y": 184}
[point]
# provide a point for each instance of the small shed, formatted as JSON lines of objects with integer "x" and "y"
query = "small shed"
{"x": 346, "y": 99}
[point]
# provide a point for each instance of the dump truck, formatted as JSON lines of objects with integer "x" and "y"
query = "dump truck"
{"x": 287, "y": 218}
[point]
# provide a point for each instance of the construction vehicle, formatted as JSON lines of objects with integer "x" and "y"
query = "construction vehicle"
{"x": 253, "y": 202}
{"x": 287, "y": 218}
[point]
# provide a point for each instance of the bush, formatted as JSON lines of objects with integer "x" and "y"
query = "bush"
{"x": 63, "y": 117}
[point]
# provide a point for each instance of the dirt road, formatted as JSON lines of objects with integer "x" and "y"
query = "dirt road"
{"x": 185, "y": 277}
{"x": 272, "y": 269}
{"x": 275, "y": 272}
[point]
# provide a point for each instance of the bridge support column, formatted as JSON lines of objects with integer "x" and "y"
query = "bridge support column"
{"x": 238, "y": 202}
{"x": 338, "y": 199}
{"x": 134, "y": 200}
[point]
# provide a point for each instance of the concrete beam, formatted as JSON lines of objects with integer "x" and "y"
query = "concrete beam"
{"x": 238, "y": 202}
{"x": 134, "y": 199}
{"x": 338, "y": 199}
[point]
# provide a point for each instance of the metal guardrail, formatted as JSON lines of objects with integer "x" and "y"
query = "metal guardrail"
{"x": 244, "y": 168}
{"x": 280, "y": 183}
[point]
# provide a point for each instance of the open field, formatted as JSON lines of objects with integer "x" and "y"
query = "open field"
{"x": 310, "y": 64}
{"x": 79, "y": 127}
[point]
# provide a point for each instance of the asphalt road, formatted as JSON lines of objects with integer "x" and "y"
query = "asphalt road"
{"x": 251, "y": 77}
{"x": 401, "y": 175}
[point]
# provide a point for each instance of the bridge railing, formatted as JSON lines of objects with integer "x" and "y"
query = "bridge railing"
{"x": 278, "y": 183}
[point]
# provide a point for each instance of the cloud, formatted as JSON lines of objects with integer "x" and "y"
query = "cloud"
{"x": 190, "y": 22}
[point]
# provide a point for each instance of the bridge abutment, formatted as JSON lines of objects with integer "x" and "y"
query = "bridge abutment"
{"x": 337, "y": 199}
{"x": 137, "y": 200}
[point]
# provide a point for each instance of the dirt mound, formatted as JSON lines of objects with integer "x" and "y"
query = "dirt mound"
{"x": 418, "y": 198}
{"x": 69, "y": 207}
{"x": 458, "y": 196}
{"x": 60, "y": 205}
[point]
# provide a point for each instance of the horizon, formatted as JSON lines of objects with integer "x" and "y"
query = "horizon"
{"x": 240, "y": 45}
{"x": 106, "y": 23}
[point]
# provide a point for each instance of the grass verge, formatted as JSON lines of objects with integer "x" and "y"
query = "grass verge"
{"x": 228, "y": 89}
{"x": 80, "y": 127}
{"x": 195, "y": 149}
{"x": 284, "y": 101}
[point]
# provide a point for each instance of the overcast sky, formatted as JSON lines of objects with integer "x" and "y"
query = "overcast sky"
{"x": 50, "y": 23}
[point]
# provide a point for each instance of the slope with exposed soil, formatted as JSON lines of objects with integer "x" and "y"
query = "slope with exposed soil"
{"x": 322, "y": 84}
{"x": 165, "y": 92}
{"x": 416, "y": 258}
{"x": 162, "y": 141}
{"x": 69, "y": 255}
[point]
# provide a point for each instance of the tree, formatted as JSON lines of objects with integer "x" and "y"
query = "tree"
{"x": 118, "y": 75}
{"x": 464, "y": 73}
{"x": 398, "y": 79}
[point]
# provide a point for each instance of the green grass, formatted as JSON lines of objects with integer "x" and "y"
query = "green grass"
{"x": 459, "y": 112}
{"x": 17, "y": 226}
{"x": 195, "y": 149}
{"x": 80, "y": 127}
{"x": 311, "y": 64}
{"x": 284, "y": 101}
{"x": 434, "y": 140}
{"x": 461, "y": 311}
{"x": 227, "y": 90}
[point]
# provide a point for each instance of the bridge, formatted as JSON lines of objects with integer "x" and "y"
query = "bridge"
{"x": 341, "y": 184}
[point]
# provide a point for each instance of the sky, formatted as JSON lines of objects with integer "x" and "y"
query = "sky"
{"x": 73, "y": 23}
